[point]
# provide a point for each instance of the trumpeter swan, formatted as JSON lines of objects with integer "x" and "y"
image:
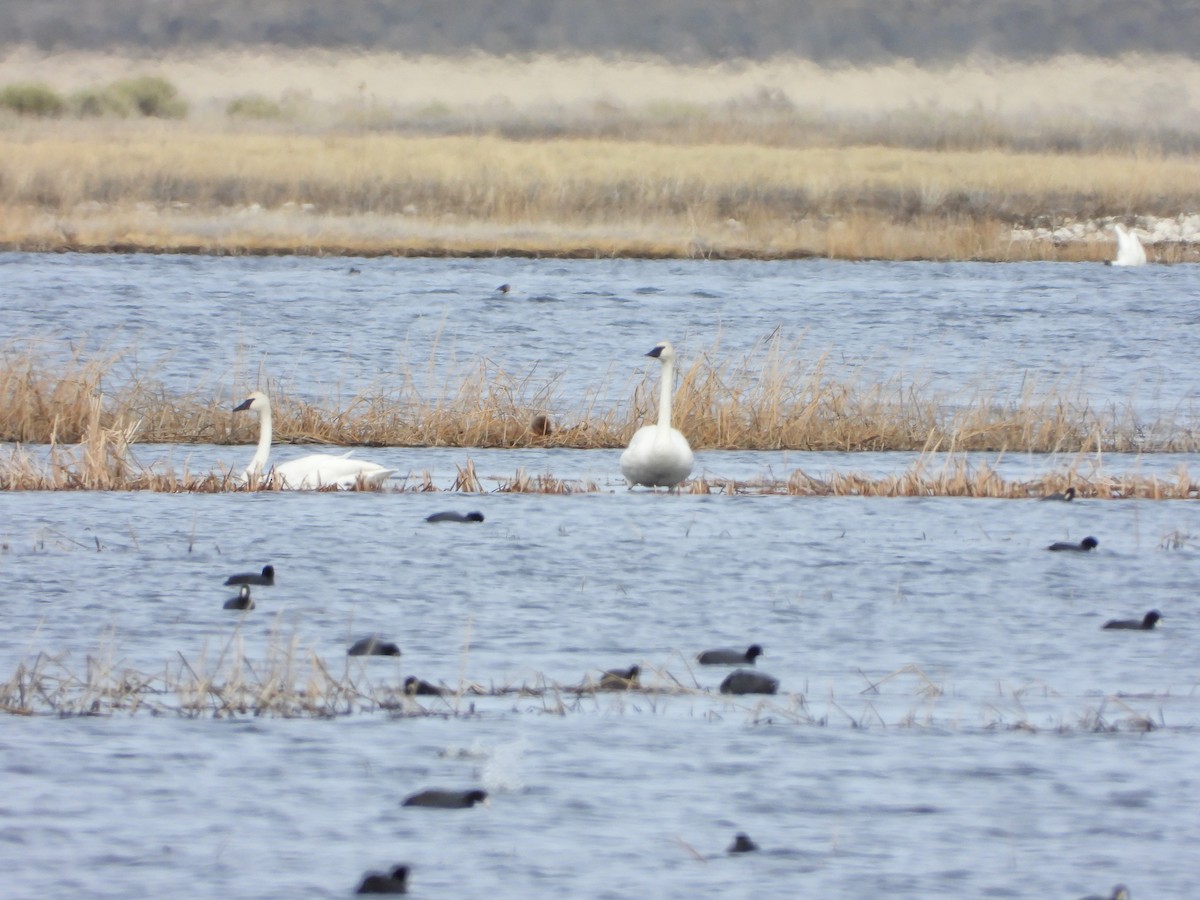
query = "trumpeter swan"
{"x": 1130, "y": 251}
{"x": 659, "y": 455}
{"x": 313, "y": 471}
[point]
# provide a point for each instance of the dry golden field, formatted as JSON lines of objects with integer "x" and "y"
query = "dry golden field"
{"x": 377, "y": 154}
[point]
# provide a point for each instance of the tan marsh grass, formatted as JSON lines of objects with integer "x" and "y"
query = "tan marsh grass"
{"x": 292, "y": 681}
{"x": 378, "y": 153}
{"x": 171, "y": 187}
{"x": 777, "y": 397}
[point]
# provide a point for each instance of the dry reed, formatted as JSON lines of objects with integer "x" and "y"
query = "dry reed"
{"x": 777, "y": 397}
{"x": 290, "y": 681}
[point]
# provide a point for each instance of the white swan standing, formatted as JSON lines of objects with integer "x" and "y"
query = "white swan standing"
{"x": 308, "y": 472}
{"x": 659, "y": 455}
{"x": 1130, "y": 251}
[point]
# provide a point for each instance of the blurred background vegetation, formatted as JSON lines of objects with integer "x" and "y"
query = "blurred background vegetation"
{"x": 682, "y": 31}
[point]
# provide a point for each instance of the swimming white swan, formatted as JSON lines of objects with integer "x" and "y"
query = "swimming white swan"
{"x": 659, "y": 455}
{"x": 308, "y": 472}
{"x": 1130, "y": 251}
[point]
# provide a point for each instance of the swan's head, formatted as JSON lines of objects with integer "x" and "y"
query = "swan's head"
{"x": 256, "y": 401}
{"x": 662, "y": 351}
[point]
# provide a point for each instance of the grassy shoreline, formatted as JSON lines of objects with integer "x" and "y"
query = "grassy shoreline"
{"x": 371, "y": 155}
{"x": 166, "y": 187}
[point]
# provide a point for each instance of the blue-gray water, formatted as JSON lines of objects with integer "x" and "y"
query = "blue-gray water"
{"x": 1113, "y": 336}
{"x": 987, "y": 765}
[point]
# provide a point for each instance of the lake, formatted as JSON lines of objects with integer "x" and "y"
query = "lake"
{"x": 952, "y": 721}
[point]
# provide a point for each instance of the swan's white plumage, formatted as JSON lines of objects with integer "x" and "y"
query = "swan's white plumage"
{"x": 310, "y": 472}
{"x": 659, "y": 455}
{"x": 1130, "y": 251}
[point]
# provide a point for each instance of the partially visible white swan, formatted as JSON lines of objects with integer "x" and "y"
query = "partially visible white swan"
{"x": 1130, "y": 251}
{"x": 308, "y": 472}
{"x": 659, "y": 455}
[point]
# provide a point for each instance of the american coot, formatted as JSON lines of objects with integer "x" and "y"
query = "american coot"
{"x": 1145, "y": 623}
{"x": 1120, "y": 892}
{"x": 441, "y": 799}
{"x": 242, "y": 600}
{"x": 620, "y": 679}
{"x": 743, "y": 682}
{"x": 414, "y": 686}
{"x": 373, "y": 646}
{"x": 1067, "y": 495}
{"x": 317, "y": 470}
{"x": 395, "y": 882}
{"x": 455, "y": 517}
{"x": 1088, "y": 543}
{"x": 267, "y": 577}
{"x": 742, "y": 844}
{"x": 659, "y": 455}
{"x": 727, "y": 656}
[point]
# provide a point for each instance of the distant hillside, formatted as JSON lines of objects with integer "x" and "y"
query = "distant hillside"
{"x": 692, "y": 31}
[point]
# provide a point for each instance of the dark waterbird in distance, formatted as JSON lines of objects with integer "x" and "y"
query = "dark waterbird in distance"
{"x": 373, "y": 646}
{"x": 1088, "y": 543}
{"x": 1066, "y": 496}
{"x": 1146, "y": 623}
{"x": 742, "y": 681}
{"x": 727, "y": 656}
{"x": 267, "y": 577}
{"x": 242, "y": 601}
{"x": 742, "y": 844}
{"x": 414, "y": 687}
{"x": 435, "y": 798}
{"x": 455, "y": 517}
{"x": 394, "y": 882}
{"x": 620, "y": 679}
{"x": 1119, "y": 892}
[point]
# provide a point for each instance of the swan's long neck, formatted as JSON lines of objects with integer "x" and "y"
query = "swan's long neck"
{"x": 665, "y": 392}
{"x": 258, "y": 465}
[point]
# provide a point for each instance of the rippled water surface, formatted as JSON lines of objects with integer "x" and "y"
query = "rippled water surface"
{"x": 952, "y": 721}
{"x": 1114, "y": 336}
